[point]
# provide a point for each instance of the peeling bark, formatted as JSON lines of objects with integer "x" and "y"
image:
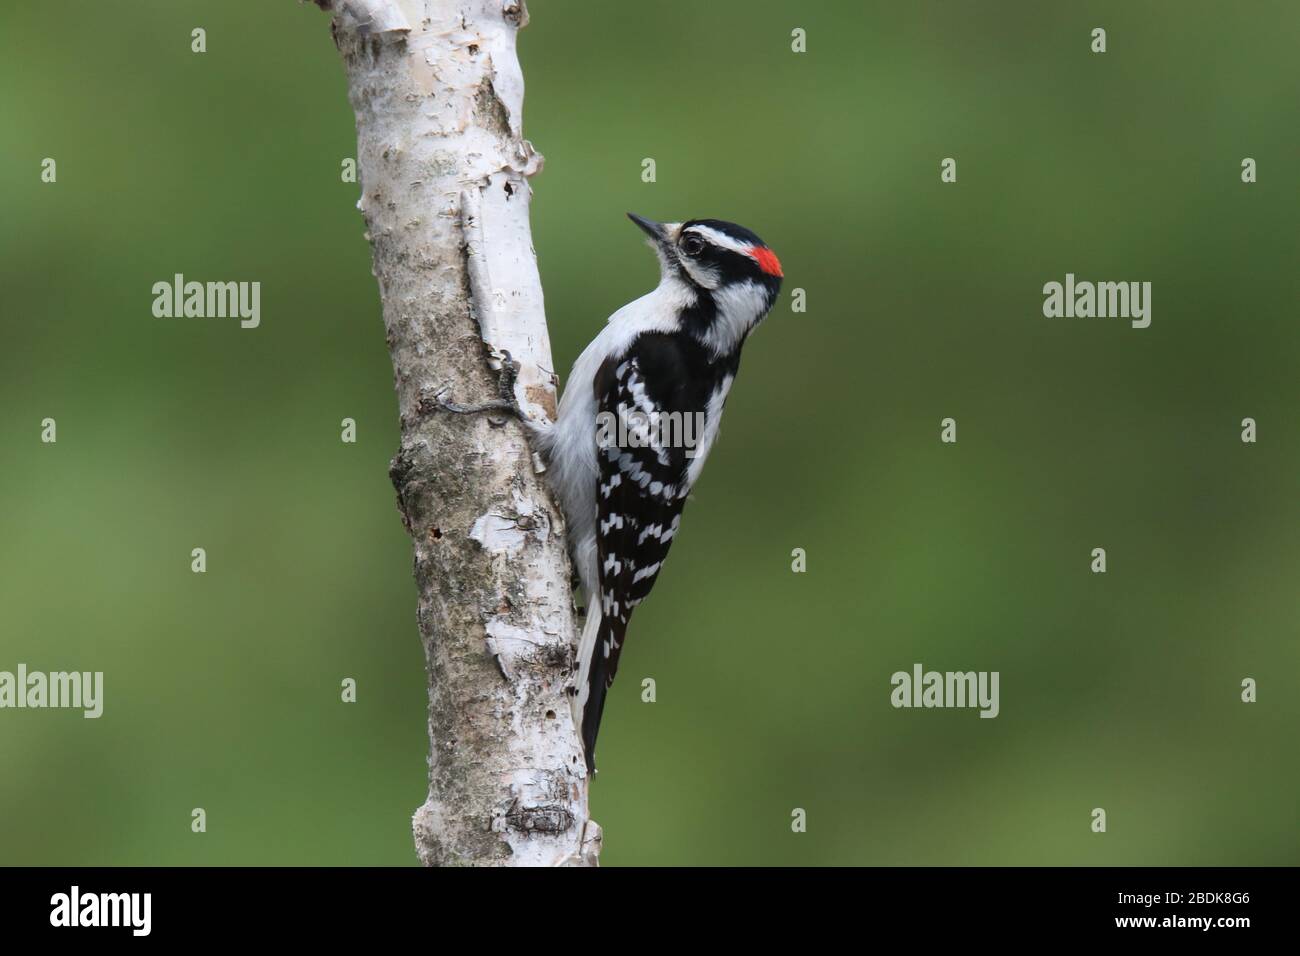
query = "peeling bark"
{"x": 438, "y": 96}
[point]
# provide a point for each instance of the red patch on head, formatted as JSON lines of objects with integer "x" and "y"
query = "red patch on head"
{"x": 767, "y": 260}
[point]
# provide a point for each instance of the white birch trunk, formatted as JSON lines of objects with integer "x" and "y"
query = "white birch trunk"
{"x": 438, "y": 94}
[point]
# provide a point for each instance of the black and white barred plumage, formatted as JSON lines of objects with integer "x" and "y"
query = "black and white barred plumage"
{"x": 639, "y": 415}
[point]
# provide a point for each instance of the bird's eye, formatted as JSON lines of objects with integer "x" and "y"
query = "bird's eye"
{"x": 692, "y": 244}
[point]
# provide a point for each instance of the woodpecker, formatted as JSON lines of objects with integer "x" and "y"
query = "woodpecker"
{"x": 638, "y": 417}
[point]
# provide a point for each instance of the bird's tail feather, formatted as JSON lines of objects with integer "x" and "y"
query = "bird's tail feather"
{"x": 590, "y": 687}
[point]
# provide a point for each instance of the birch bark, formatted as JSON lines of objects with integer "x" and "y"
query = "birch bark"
{"x": 438, "y": 95}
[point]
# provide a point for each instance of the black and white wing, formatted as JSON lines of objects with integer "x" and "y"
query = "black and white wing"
{"x": 642, "y": 401}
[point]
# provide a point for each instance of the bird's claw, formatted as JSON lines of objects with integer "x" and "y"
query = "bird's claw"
{"x": 506, "y": 402}
{"x": 509, "y": 375}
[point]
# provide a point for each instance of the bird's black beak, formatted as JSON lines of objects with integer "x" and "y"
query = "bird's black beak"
{"x": 651, "y": 228}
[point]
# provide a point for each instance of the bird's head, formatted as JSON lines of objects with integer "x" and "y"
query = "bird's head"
{"x": 728, "y": 275}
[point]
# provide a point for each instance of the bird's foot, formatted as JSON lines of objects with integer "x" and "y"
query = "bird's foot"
{"x": 506, "y": 403}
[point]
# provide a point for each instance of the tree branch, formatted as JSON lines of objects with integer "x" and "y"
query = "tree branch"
{"x": 438, "y": 96}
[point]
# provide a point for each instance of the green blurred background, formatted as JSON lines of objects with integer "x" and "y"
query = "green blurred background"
{"x": 924, "y": 301}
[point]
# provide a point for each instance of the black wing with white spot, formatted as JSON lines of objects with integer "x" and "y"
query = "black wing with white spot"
{"x": 648, "y": 406}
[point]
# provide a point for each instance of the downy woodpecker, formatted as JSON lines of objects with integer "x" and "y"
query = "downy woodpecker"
{"x": 639, "y": 414}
